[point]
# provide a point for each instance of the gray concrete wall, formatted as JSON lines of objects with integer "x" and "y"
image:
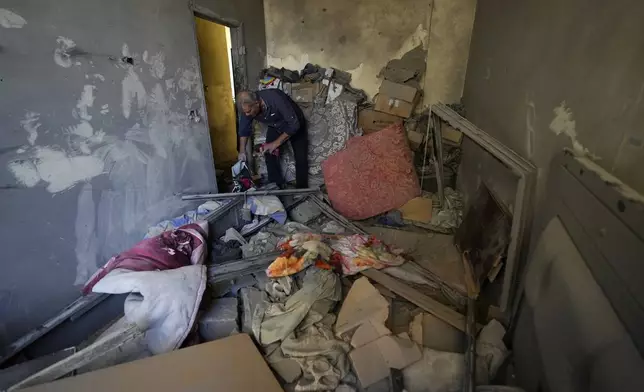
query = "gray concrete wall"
{"x": 93, "y": 149}
{"x": 544, "y": 75}
{"x": 250, "y": 13}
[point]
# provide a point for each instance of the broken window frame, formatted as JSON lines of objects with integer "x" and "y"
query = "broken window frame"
{"x": 522, "y": 212}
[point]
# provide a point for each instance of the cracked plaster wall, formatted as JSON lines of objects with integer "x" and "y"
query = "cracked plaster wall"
{"x": 544, "y": 75}
{"x": 362, "y": 36}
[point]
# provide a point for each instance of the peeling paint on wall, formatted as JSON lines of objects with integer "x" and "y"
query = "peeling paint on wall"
{"x": 11, "y": 20}
{"x": 31, "y": 124}
{"x": 85, "y": 102}
{"x": 132, "y": 92}
{"x": 156, "y": 63}
{"x": 359, "y": 37}
{"x": 56, "y": 167}
{"x": 25, "y": 172}
{"x": 95, "y": 76}
{"x": 564, "y": 123}
{"x": 61, "y": 53}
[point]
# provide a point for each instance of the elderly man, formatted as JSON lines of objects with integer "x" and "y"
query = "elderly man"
{"x": 285, "y": 121}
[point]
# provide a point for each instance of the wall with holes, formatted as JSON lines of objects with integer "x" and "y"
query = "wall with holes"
{"x": 102, "y": 124}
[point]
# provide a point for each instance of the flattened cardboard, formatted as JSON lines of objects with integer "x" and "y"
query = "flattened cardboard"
{"x": 221, "y": 365}
{"x": 363, "y": 303}
{"x": 418, "y": 209}
{"x": 369, "y": 364}
{"x": 368, "y": 332}
{"x": 372, "y": 361}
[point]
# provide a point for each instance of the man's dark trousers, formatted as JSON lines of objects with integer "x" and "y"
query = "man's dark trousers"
{"x": 300, "y": 144}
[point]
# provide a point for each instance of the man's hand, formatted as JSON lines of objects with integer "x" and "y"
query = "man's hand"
{"x": 268, "y": 148}
{"x": 241, "y": 156}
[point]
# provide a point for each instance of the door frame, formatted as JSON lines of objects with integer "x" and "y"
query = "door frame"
{"x": 238, "y": 48}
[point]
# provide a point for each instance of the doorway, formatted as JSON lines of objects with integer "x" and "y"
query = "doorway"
{"x": 214, "y": 43}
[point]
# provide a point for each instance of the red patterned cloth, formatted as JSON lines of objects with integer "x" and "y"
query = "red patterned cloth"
{"x": 372, "y": 175}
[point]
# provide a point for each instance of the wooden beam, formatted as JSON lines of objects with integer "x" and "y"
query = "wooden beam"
{"x": 419, "y": 299}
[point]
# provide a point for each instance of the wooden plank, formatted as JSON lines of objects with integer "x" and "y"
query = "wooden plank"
{"x": 506, "y": 155}
{"x": 81, "y": 358}
{"x": 419, "y": 299}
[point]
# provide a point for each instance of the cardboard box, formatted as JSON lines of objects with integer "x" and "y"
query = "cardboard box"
{"x": 397, "y": 99}
{"x": 372, "y": 121}
{"x": 399, "y": 91}
{"x": 395, "y": 106}
{"x": 221, "y": 365}
{"x": 304, "y": 92}
{"x": 372, "y": 361}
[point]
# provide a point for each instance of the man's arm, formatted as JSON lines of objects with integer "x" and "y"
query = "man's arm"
{"x": 245, "y": 130}
{"x": 274, "y": 145}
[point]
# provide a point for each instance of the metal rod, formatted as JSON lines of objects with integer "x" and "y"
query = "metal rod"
{"x": 221, "y": 210}
{"x": 264, "y": 222}
{"x": 216, "y": 196}
{"x": 331, "y": 213}
{"x": 217, "y": 272}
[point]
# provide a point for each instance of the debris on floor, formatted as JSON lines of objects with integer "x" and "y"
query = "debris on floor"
{"x": 331, "y": 304}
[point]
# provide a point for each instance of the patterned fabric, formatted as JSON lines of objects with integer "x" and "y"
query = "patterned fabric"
{"x": 374, "y": 174}
{"x": 330, "y": 127}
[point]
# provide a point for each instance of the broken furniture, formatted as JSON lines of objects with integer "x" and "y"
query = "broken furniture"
{"x": 521, "y": 214}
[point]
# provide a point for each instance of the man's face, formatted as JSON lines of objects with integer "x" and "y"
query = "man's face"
{"x": 251, "y": 109}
